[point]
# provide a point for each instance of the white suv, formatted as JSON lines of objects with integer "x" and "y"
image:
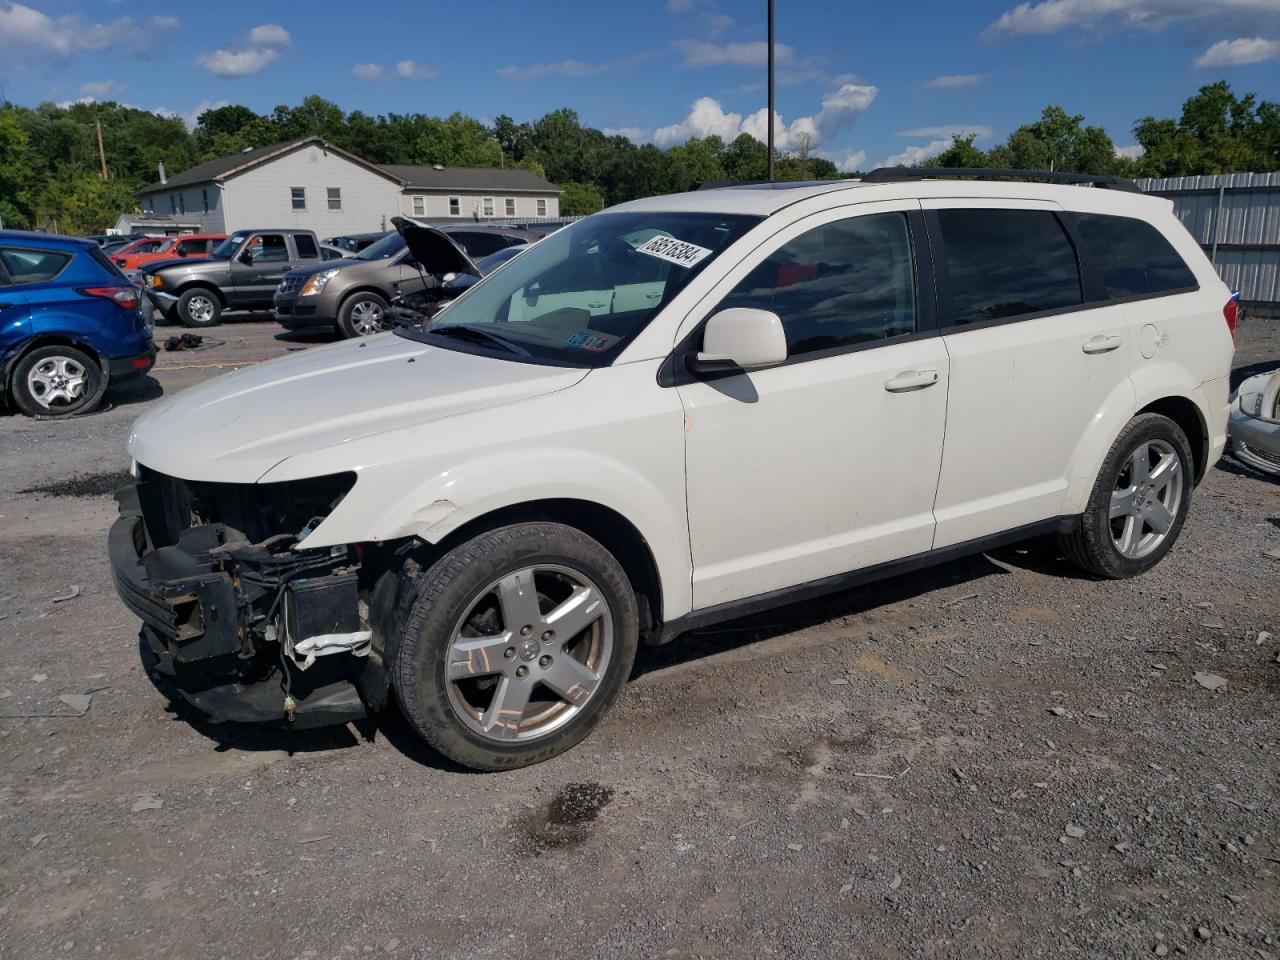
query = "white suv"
{"x": 681, "y": 410}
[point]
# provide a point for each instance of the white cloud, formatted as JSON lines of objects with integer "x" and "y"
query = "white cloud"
{"x": 411, "y": 70}
{"x": 368, "y": 72}
{"x": 189, "y": 117}
{"x": 1235, "y": 53}
{"x": 565, "y": 68}
{"x": 1052, "y": 16}
{"x": 846, "y": 161}
{"x": 269, "y": 35}
{"x": 238, "y": 63}
{"x": 718, "y": 23}
{"x": 100, "y": 88}
{"x": 950, "y": 81}
{"x": 707, "y": 117}
{"x": 977, "y": 130}
{"x": 916, "y": 154}
{"x": 262, "y": 46}
{"x": 28, "y": 35}
{"x": 1132, "y": 152}
{"x": 680, "y": 6}
{"x": 634, "y": 134}
{"x": 699, "y": 53}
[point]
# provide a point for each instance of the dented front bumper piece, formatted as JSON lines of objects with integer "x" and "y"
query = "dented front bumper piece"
{"x": 244, "y": 631}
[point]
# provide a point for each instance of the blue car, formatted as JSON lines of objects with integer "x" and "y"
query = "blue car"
{"x": 70, "y": 324}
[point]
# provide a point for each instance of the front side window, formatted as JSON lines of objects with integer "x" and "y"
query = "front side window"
{"x": 188, "y": 247}
{"x": 335, "y": 198}
{"x": 419, "y": 206}
{"x": 510, "y": 206}
{"x": 455, "y": 206}
{"x": 298, "y": 197}
{"x": 307, "y": 249}
{"x": 1007, "y": 263}
{"x": 838, "y": 285}
{"x": 33, "y": 266}
{"x": 582, "y": 294}
{"x": 1133, "y": 256}
{"x": 268, "y": 248}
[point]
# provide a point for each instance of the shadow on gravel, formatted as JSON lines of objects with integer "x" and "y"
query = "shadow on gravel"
{"x": 143, "y": 390}
{"x": 1237, "y": 469}
{"x": 317, "y": 335}
{"x": 1039, "y": 556}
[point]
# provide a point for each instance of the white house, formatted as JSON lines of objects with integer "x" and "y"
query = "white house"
{"x": 312, "y": 184}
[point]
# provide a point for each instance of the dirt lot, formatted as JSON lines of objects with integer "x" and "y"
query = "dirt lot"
{"x": 994, "y": 758}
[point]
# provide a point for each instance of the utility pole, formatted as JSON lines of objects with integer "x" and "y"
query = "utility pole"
{"x": 771, "y": 114}
{"x": 102, "y": 154}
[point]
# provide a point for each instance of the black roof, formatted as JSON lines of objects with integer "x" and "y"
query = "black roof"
{"x": 470, "y": 179}
{"x": 238, "y": 162}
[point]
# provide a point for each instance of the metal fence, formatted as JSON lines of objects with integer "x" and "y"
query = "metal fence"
{"x": 1235, "y": 217}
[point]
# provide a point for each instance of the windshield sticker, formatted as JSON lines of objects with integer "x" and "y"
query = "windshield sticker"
{"x": 674, "y": 251}
{"x": 590, "y": 340}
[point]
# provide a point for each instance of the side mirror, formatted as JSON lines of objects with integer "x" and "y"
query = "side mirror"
{"x": 740, "y": 338}
{"x": 246, "y": 258}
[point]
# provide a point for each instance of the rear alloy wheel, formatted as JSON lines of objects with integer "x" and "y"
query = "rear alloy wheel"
{"x": 57, "y": 381}
{"x": 199, "y": 307}
{"x": 362, "y": 315}
{"x": 1139, "y": 502}
{"x": 515, "y": 645}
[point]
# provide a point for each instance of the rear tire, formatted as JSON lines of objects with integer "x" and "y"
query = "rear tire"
{"x": 57, "y": 381}
{"x": 534, "y": 616}
{"x": 362, "y": 315}
{"x": 199, "y": 307}
{"x": 1133, "y": 520}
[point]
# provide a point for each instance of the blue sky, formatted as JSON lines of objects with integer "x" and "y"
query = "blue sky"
{"x": 865, "y": 82}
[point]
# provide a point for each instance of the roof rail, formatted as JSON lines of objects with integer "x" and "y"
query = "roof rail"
{"x": 901, "y": 174}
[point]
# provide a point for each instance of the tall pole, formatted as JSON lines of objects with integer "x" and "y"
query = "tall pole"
{"x": 771, "y": 113}
{"x": 102, "y": 154}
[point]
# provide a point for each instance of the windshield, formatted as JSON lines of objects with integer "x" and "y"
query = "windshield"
{"x": 381, "y": 249}
{"x": 227, "y": 247}
{"x": 582, "y": 294}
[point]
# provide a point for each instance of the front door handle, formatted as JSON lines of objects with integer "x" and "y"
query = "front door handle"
{"x": 911, "y": 380}
{"x": 1101, "y": 344}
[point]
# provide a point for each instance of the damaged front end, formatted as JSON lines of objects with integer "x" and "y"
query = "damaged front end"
{"x": 237, "y": 617}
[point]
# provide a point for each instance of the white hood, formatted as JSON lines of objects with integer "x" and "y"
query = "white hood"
{"x": 237, "y": 427}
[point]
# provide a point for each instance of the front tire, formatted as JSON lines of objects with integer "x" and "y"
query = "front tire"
{"x": 1139, "y": 502}
{"x": 199, "y": 307}
{"x": 362, "y": 315}
{"x": 515, "y": 644}
{"x": 57, "y": 381}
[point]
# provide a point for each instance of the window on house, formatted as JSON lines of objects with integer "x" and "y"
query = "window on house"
{"x": 419, "y": 205}
{"x": 488, "y": 206}
{"x": 298, "y": 195}
{"x": 1006, "y": 263}
{"x": 455, "y": 206}
{"x": 335, "y": 198}
{"x": 204, "y": 197}
{"x": 182, "y": 203}
{"x": 542, "y": 208}
{"x": 173, "y": 203}
{"x": 510, "y": 205}
{"x": 840, "y": 284}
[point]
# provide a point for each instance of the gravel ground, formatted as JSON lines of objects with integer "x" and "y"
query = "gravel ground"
{"x": 993, "y": 758}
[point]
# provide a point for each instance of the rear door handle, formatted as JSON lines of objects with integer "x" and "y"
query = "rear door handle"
{"x": 1101, "y": 344}
{"x": 911, "y": 380}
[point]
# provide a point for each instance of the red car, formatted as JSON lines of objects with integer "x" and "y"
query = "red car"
{"x": 194, "y": 246}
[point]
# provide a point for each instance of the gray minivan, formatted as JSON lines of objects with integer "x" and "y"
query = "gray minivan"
{"x": 352, "y": 294}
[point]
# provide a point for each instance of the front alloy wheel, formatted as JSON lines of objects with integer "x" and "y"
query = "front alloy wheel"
{"x": 514, "y": 644}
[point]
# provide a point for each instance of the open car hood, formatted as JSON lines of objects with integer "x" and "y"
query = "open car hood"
{"x": 434, "y": 249}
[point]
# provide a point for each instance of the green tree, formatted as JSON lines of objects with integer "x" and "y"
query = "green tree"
{"x": 1217, "y": 132}
{"x": 580, "y": 199}
{"x": 17, "y": 208}
{"x": 961, "y": 153}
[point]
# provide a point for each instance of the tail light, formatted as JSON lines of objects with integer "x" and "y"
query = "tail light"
{"x": 126, "y": 298}
{"x": 1230, "y": 313}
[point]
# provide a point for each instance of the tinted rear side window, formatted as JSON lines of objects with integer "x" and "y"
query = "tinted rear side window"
{"x": 306, "y": 247}
{"x": 1133, "y": 257}
{"x": 33, "y": 266}
{"x": 1006, "y": 263}
{"x": 480, "y": 244}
